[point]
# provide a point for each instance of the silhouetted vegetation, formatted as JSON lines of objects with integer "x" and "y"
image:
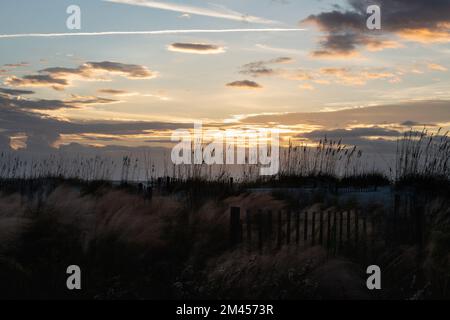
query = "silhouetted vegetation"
{"x": 168, "y": 236}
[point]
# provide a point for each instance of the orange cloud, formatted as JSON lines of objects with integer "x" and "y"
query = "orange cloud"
{"x": 436, "y": 67}
{"x": 383, "y": 44}
{"x": 424, "y": 35}
{"x": 307, "y": 86}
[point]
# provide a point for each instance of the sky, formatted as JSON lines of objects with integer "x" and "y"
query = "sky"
{"x": 315, "y": 70}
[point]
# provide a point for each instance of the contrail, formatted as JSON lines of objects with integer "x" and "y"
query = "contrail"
{"x": 216, "y": 12}
{"x": 155, "y": 32}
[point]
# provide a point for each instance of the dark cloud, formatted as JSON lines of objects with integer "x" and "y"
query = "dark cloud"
{"x": 131, "y": 71}
{"x": 82, "y": 101}
{"x": 198, "y": 48}
{"x": 374, "y": 140}
{"x": 419, "y": 111}
{"x": 88, "y": 70}
{"x": 414, "y": 20}
{"x": 353, "y": 133}
{"x": 38, "y": 80}
{"x": 14, "y": 92}
{"x": 417, "y": 124}
{"x": 5, "y": 142}
{"x": 61, "y": 71}
{"x": 113, "y": 92}
{"x": 244, "y": 84}
{"x": 261, "y": 71}
{"x": 60, "y": 77}
{"x": 39, "y": 104}
{"x": 17, "y": 117}
{"x": 43, "y": 104}
{"x": 263, "y": 68}
{"x": 102, "y": 138}
{"x": 16, "y": 65}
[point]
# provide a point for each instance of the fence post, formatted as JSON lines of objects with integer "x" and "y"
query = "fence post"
{"x": 305, "y": 229}
{"x": 259, "y": 222}
{"x": 329, "y": 230}
{"x": 235, "y": 226}
{"x": 395, "y": 230}
{"x": 406, "y": 223}
{"x": 365, "y": 236}
{"x": 341, "y": 227}
{"x": 269, "y": 225}
{"x": 321, "y": 227}
{"x": 356, "y": 227}
{"x": 335, "y": 232}
{"x": 313, "y": 231}
{"x": 348, "y": 226}
{"x": 280, "y": 230}
{"x": 297, "y": 227}
{"x": 249, "y": 229}
{"x": 419, "y": 222}
{"x": 288, "y": 227}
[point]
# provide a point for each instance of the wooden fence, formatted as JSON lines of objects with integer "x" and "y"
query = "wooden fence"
{"x": 351, "y": 231}
{"x": 338, "y": 231}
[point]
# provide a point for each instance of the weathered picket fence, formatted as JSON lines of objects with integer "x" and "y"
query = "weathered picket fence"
{"x": 337, "y": 231}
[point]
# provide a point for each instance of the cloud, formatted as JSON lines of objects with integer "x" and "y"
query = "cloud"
{"x": 43, "y": 104}
{"x": 37, "y": 80}
{"x": 197, "y": 48}
{"x": 356, "y": 76}
{"x": 362, "y": 132}
{"x": 419, "y": 111}
{"x": 345, "y": 45}
{"x": 345, "y": 31}
{"x": 90, "y": 70}
{"x": 18, "y": 117}
{"x": 130, "y": 71}
{"x": 116, "y": 92}
{"x": 14, "y": 92}
{"x": 60, "y": 77}
{"x": 424, "y": 35}
{"x": 217, "y": 11}
{"x": 379, "y": 143}
{"x": 244, "y": 84}
{"x": 436, "y": 67}
{"x": 306, "y": 86}
{"x": 5, "y": 142}
{"x": 264, "y": 68}
{"x": 16, "y": 65}
{"x": 81, "y": 101}
{"x": 185, "y": 16}
{"x": 39, "y": 104}
{"x": 411, "y": 124}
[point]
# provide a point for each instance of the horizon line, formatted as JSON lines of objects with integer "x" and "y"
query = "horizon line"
{"x": 151, "y": 32}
